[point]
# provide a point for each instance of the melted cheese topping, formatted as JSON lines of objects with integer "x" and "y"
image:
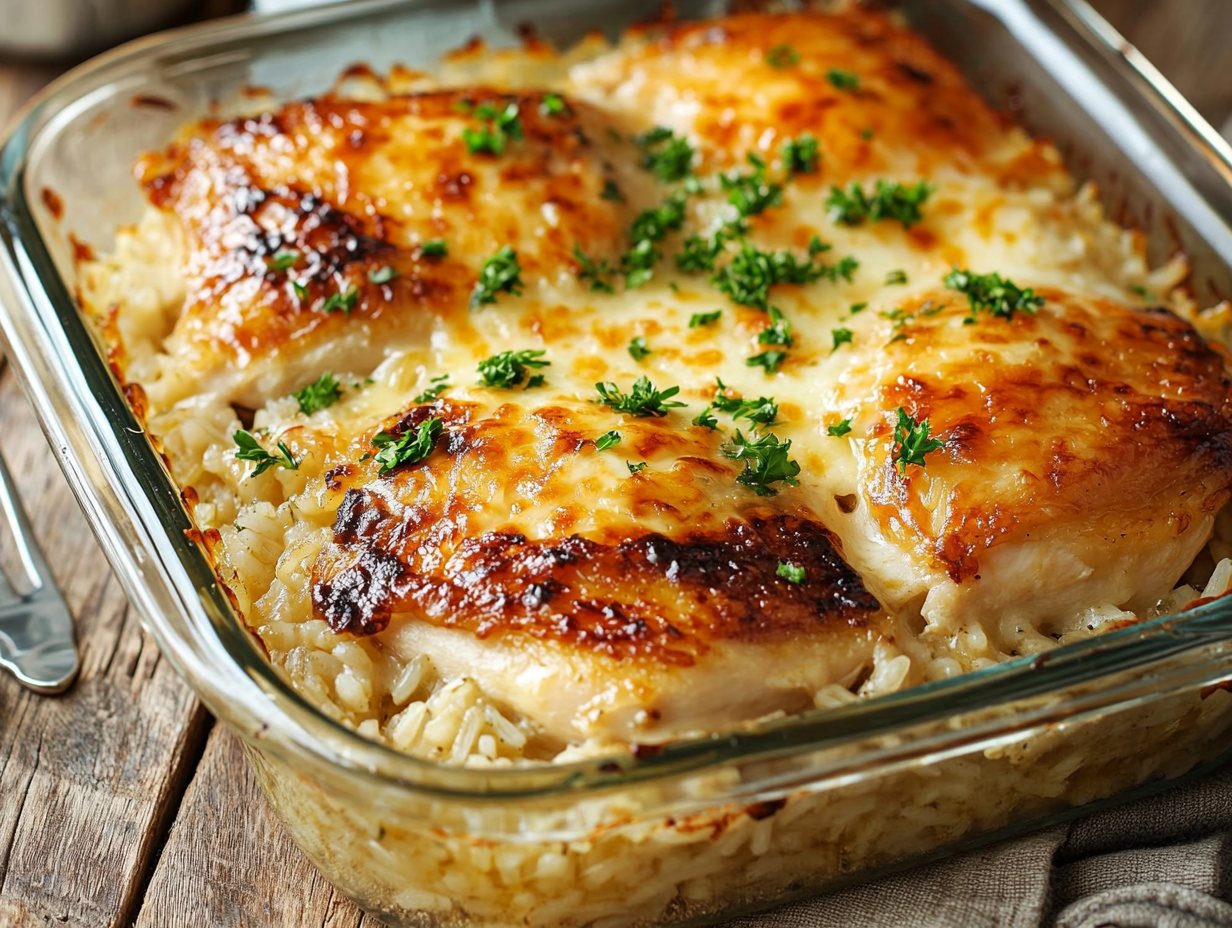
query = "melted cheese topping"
{"x": 603, "y": 598}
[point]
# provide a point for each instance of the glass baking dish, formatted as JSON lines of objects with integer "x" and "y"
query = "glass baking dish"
{"x": 700, "y": 830}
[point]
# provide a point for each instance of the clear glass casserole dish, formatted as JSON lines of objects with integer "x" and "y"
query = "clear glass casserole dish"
{"x": 700, "y": 830}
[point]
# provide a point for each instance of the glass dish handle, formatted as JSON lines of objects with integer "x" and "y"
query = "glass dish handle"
{"x": 36, "y": 628}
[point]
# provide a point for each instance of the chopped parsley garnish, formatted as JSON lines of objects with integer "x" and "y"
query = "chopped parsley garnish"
{"x": 301, "y": 292}
{"x": 436, "y": 248}
{"x": 341, "y": 302}
{"x": 599, "y": 273}
{"x": 501, "y": 273}
{"x": 748, "y": 277}
{"x": 501, "y": 125}
{"x": 697, "y": 320}
{"x": 611, "y": 192}
{"x": 766, "y": 461}
{"x": 896, "y": 277}
{"x": 782, "y": 56}
{"x": 554, "y": 105}
{"x": 841, "y": 337}
{"x": 701, "y": 254}
{"x": 510, "y": 368}
{"x": 283, "y": 259}
{"x": 911, "y": 441}
{"x": 992, "y": 293}
{"x": 1139, "y": 290}
{"x": 843, "y": 80}
{"x": 778, "y": 332}
{"x": 790, "y": 572}
{"x": 770, "y": 361}
{"x": 669, "y": 156}
{"x": 838, "y": 431}
{"x": 320, "y": 395}
{"x": 651, "y": 227}
{"x": 636, "y": 468}
{"x": 638, "y": 349}
{"x": 382, "y": 275}
{"x": 642, "y": 401}
{"x": 250, "y": 450}
{"x": 857, "y": 308}
{"x": 752, "y": 194}
{"x": 438, "y": 385}
{"x": 607, "y": 440}
{"x": 800, "y": 156}
{"x": 762, "y": 410}
{"x": 705, "y": 419}
{"x": 866, "y": 133}
{"x": 411, "y": 447}
{"x": 889, "y": 200}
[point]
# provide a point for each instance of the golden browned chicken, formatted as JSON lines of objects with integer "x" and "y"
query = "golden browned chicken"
{"x": 757, "y": 361}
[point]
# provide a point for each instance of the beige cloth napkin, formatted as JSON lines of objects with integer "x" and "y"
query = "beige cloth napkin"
{"x": 1161, "y": 862}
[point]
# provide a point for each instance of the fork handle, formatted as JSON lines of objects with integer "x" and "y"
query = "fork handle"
{"x": 36, "y": 629}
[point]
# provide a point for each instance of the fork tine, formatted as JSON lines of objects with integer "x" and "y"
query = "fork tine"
{"x": 36, "y": 630}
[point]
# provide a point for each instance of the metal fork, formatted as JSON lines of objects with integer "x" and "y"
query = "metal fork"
{"x": 36, "y": 628}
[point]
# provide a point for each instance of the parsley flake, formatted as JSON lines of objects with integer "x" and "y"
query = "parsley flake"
{"x": 638, "y": 349}
{"x": 752, "y": 194}
{"x": 770, "y": 361}
{"x": 697, "y": 320}
{"x": 636, "y": 468}
{"x": 437, "y": 386}
{"x": 510, "y": 368}
{"x": 706, "y": 420}
{"x": 501, "y": 273}
{"x": 762, "y": 410}
{"x": 319, "y": 395}
{"x": 912, "y": 441}
{"x": 839, "y": 430}
{"x": 790, "y": 572}
{"x": 782, "y": 56}
{"x": 643, "y": 400}
{"x": 251, "y": 450}
{"x": 669, "y": 156}
{"x": 778, "y": 332}
{"x": 301, "y": 292}
{"x": 841, "y": 337}
{"x": 800, "y": 156}
{"x": 607, "y": 440}
{"x": 992, "y": 293}
{"x": 896, "y": 277}
{"x": 843, "y": 80}
{"x": 702, "y": 254}
{"x": 889, "y": 200}
{"x": 435, "y": 248}
{"x": 382, "y": 275}
{"x": 611, "y": 192}
{"x": 554, "y": 105}
{"x": 766, "y": 461}
{"x": 411, "y": 447}
{"x": 501, "y": 125}
{"x": 283, "y": 259}
{"x": 341, "y": 302}
{"x": 857, "y": 308}
{"x": 650, "y": 227}
{"x": 599, "y": 273}
{"x": 748, "y": 277}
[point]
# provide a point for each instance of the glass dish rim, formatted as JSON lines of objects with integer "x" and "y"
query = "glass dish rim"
{"x": 282, "y": 711}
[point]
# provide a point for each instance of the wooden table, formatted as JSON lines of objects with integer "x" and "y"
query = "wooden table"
{"x": 121, "y": 803}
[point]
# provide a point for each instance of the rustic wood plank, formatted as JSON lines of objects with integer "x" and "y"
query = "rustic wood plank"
{"x": 88, "y": 781}
{"x": 229, "y": 863}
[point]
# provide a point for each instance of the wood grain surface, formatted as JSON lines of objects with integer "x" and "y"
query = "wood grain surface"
{"x": 120, "y": 803}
